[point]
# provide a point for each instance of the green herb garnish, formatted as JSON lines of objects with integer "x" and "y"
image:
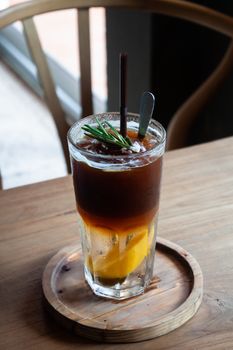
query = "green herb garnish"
{"x": 106, "y": 133}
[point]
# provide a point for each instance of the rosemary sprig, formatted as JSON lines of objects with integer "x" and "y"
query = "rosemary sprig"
{"x": 106, "y": 133}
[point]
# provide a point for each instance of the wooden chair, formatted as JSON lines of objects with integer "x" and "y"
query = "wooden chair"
{"x": 183, "y": 119}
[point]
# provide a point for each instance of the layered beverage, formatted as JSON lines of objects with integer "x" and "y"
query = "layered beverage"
{"x": 117, "y": 195}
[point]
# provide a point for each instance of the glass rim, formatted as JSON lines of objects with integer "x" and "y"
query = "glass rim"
{"x": 81, "y": 122}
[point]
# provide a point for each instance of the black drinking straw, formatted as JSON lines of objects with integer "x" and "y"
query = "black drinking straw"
{"x": 123, "y": 80}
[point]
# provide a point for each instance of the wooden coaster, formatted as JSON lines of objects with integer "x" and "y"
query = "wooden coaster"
{"x": 172, "y": 298}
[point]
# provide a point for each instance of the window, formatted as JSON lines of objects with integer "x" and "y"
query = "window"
{"x": 60, "y": 44}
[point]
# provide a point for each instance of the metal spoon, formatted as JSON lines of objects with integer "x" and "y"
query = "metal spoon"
{"x": 146, "y": 110}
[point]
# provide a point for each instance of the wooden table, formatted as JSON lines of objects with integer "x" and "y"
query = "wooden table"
{"x": 196, "y": 212}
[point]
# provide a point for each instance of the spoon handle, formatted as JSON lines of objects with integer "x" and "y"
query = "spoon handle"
{"x": 146, "y": 110}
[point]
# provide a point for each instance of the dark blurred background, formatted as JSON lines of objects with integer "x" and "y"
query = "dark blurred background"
{"x": 171, "y": 58}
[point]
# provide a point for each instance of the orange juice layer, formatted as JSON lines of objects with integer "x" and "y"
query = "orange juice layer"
{"x": 125, "y": 254}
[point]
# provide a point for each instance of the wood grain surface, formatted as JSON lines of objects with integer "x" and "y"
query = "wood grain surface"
{"x": 195, "y": 212}
{"x": 173, "y": 297}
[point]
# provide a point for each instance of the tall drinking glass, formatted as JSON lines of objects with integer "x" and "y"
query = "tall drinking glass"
{"x": 117, "y": 196}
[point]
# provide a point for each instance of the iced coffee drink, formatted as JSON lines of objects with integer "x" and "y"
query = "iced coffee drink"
{"x": 117, "y": 195}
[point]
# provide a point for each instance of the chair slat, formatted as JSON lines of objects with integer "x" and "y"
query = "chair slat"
{"x": 47, "y": 83}
{"x": 85, "y": 62}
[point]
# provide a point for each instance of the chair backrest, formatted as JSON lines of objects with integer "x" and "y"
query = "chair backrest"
{"x": 181, "y": 124}
{"x": 182, "y": 121}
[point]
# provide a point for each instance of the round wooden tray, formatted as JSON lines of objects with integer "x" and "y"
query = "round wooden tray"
{"x": 172, "y": 298}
